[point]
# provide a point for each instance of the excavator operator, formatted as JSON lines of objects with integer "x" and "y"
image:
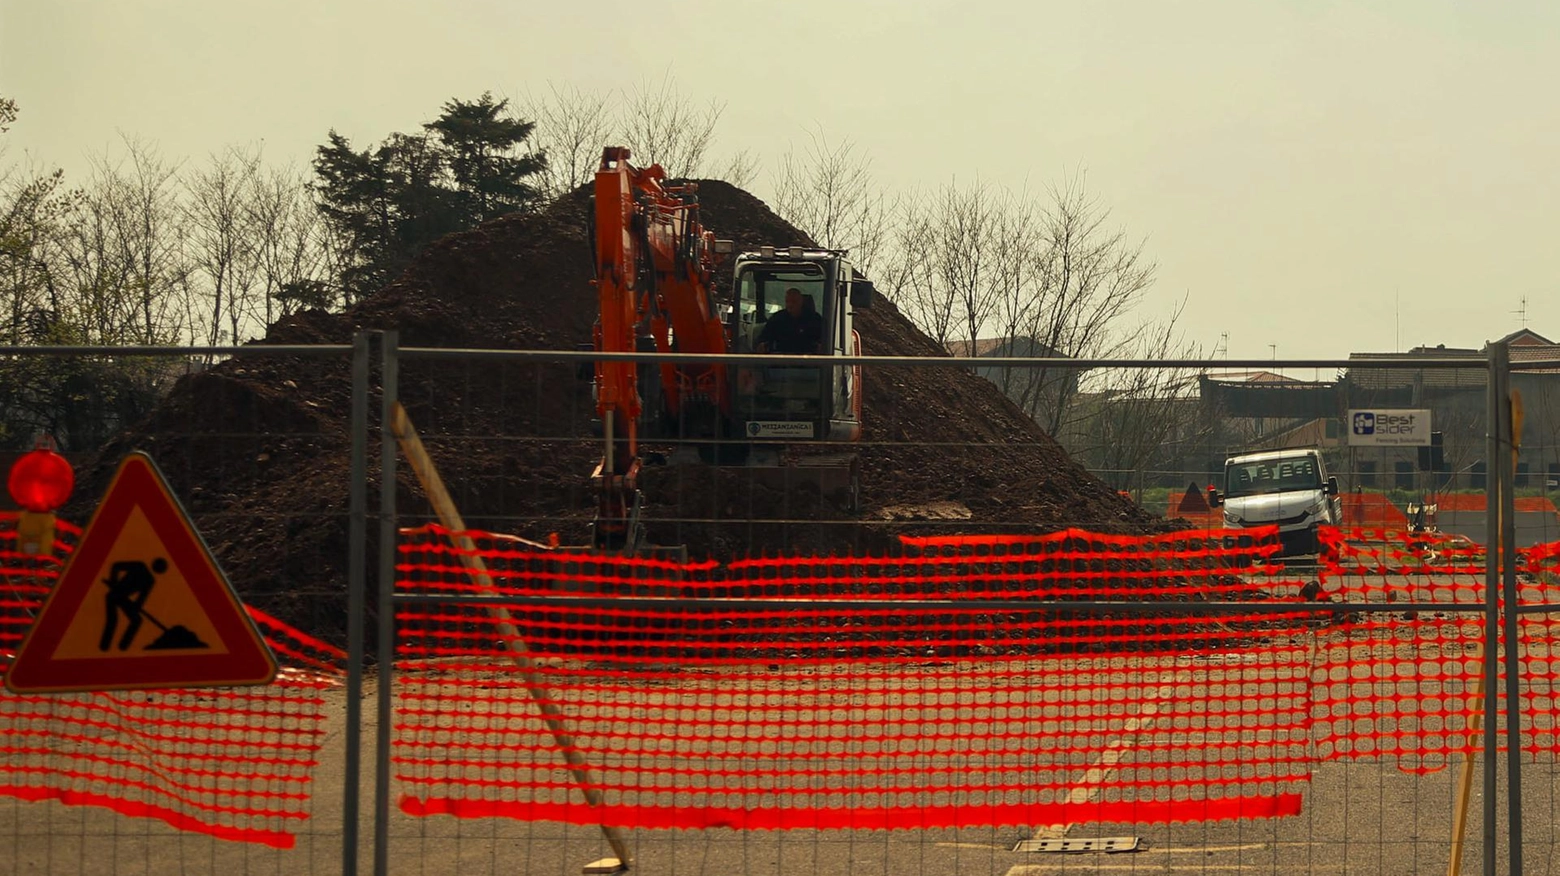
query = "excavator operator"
{"x": 796, "y": 329}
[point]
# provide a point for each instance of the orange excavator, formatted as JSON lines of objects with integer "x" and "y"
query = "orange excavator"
{"x": 655, "y": 269}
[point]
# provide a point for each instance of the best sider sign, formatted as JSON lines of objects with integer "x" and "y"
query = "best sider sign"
{"x": 1389, "y": 428}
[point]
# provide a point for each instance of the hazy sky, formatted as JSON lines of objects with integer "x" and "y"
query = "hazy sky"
{"x": 1296, "y": 167}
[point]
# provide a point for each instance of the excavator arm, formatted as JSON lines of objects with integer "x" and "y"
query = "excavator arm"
{"x": 654, "y": 276}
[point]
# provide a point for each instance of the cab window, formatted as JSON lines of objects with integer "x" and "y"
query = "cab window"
{"x": 761, "y": 291}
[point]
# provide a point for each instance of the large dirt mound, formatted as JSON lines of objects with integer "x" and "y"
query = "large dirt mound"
{"x": 268, "y": 482}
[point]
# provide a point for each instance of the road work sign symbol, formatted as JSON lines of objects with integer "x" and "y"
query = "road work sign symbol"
{"x": 141, "y": 604}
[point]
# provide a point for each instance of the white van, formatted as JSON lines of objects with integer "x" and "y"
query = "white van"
{"x": 1287, "y": 488}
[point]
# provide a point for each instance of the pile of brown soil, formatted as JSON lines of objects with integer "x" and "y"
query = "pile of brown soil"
{"x": 258, "y": 447}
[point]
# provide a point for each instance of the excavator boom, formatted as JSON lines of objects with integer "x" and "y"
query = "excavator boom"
{"x": 654, "y": 276}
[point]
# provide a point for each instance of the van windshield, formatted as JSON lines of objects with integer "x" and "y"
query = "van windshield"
{"x": 1280, "y": 475}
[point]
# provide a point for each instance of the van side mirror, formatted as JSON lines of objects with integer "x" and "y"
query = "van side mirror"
{"x": 1332, "y": 486}
{"x": 1214, "y": 499}
{"x": 861, "y": 292}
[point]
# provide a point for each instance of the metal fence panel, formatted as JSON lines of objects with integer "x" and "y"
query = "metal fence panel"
{"x": 919, "y": 652}
{"x": 236, "y": 780}
{"x": 1314, "y": 693}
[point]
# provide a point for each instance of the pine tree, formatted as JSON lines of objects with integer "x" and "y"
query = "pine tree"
{"x": 390, "y": 202}
{"x": 480, "y": 143}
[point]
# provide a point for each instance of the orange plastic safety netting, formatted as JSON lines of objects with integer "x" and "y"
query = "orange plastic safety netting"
{"x": 911, "y": 690}
{"x": 234, "y": 763}
{"x": 1540, "y": 635}
{"x": 1400, "y": 684}
{"x": 957, "y": 682}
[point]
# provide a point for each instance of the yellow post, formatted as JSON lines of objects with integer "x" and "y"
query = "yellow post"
{"x": 1465, "y": 777}
{"x": 35, "y": 533}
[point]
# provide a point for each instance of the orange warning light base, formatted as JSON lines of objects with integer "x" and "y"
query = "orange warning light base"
{"x": 142, "y": 604}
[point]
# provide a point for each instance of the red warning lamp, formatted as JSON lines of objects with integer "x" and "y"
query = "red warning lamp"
{"x": 41, "y": 481}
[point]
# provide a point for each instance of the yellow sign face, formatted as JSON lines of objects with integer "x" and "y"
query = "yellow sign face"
{"x": 145, "y": 604}
{"x": 142, "y": 604}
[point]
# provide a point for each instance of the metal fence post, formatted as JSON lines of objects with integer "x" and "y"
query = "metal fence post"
{"x": 1492, "y": 554}
{"x": 357, "y": 528}
{"x": 1501, "y": 353}
{"x": 389, "y": 376}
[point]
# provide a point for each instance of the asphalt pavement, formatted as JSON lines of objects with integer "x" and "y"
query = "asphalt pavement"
{"x": 1532, "y": 527}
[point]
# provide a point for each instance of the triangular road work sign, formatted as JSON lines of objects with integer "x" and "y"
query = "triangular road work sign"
{"x": 141, "y": 604}
{"x": 1192, "y": 501}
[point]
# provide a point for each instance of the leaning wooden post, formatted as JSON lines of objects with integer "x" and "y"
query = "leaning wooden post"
{"x": 552, "y": 715}
{"x": 1465, "y": 775}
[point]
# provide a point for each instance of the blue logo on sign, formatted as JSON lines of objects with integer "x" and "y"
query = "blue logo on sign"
{"x": 753, "y": 429}
{"x": 1365, "y": 424}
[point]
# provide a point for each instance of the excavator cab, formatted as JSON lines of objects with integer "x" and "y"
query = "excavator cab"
{"x": 785, "y": 403}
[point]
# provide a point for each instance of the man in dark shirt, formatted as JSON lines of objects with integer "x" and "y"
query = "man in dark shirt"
{"x": 796, "y": 329}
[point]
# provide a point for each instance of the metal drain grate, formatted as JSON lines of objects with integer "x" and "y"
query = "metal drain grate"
{"x": 1092, "y": 844}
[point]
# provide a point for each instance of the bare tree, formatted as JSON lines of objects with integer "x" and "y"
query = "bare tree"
{"x": 1092, "y": 275}
{"x": 662, "y": 126}
{"x": 572, "y": 126}
{"x": 149, "y": 228}
{"x": 1460, "y": 418}
{"x": 946, "y": 267}
{"x": 141, "y": 253}
{"x": 101, "y": 266}
{"x": 34, "y": 205}
{"x": 1017, "y": 288}
{"x": 222, "y": 242}
{"x": 1139, "y": 419}
{"x": 740, "y": 170}
{"x": 1042, "y": 279}
{"x": 964, "y": 246}
{"x": 914, "y": 278}
{"x": 658, "y": 123}
{"x": 289, "y": 252}
{"x": 117, "y": 266}
{"x": 1541, "y": 392}
{"x": 90, "y": 288}
{"x": 829, "y": 192}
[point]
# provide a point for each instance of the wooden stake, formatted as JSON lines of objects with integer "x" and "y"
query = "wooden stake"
{"x": 1465, "y": 777}
{"x": 552, "y": 715}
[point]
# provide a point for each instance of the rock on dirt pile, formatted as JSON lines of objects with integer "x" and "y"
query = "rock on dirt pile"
{"x": 268, "y": 481}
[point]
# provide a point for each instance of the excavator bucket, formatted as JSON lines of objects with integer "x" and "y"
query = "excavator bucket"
{"x": 836, "y": 477}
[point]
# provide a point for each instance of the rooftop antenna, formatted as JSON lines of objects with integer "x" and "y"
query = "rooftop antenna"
{"x": 1397, "y": 323}
{"x": 1274, "y": 348}
{"x": 1521, "y": 310}
{"x": 1222, "y": 351}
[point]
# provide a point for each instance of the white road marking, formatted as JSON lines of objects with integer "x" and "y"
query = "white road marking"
{"x": 1209, "y": 850}
{"x": 1091, "y": 867}
{"x": 1150, "y": 850}
{"x": 1104, "y": 769}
